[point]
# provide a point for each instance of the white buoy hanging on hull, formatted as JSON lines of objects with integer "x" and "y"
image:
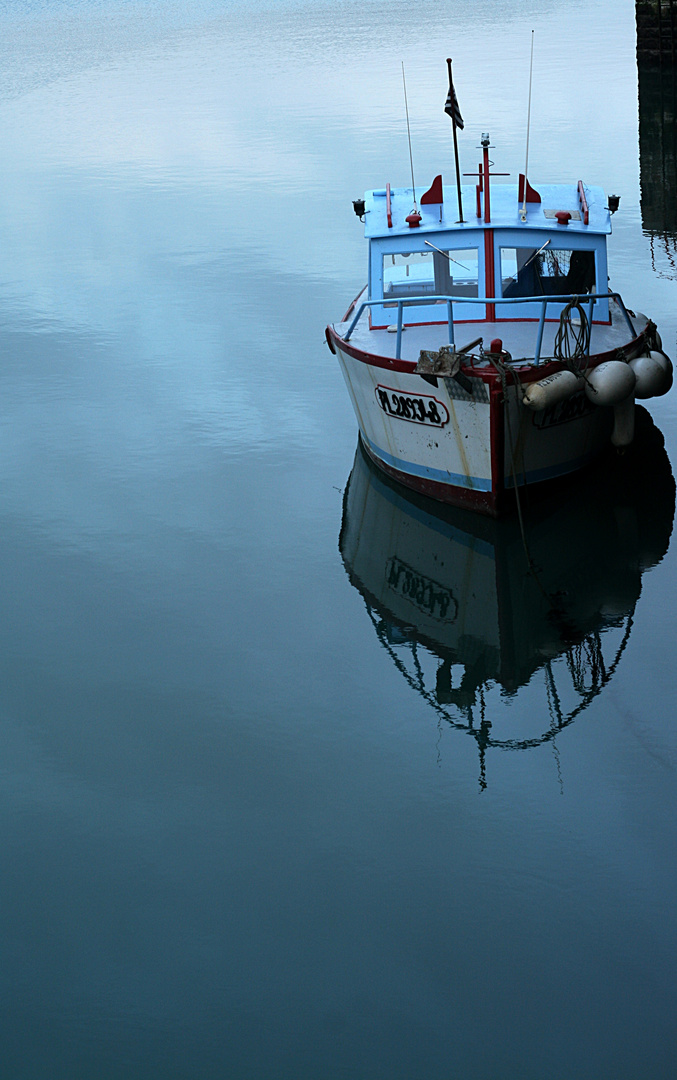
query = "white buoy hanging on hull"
{"x": 610, "y": 383}
{"x": 624, "y": 423}
{"x": 653, "y": 374}
{"x": 546, "y": 392}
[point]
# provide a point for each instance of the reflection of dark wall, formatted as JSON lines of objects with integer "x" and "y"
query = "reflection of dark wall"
{"x": 656, "y": 30}
{"x": 658, "y": 162}
{"x": 658, "y": 148}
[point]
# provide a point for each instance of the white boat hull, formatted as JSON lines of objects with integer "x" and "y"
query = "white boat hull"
{"x": 467, "y": 448}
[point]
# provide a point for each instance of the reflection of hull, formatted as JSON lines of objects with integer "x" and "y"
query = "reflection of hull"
{"x": 460, "y": 586}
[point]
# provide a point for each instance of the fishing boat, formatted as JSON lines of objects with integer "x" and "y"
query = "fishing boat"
{"x": 486, "y": 351}
{"x": 476, "y": 625}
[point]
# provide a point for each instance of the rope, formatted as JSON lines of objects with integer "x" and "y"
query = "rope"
{"x": 502, "y": 370}
{"x": 572, "y": 343}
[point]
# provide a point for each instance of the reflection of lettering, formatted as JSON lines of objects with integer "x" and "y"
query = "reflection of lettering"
{"x": 429, "y": 596}
{"x": 562, "y": 412}
{"x": 419, "y": 409}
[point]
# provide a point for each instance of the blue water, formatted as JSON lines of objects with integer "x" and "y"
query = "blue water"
{"x": 238, "y": 838}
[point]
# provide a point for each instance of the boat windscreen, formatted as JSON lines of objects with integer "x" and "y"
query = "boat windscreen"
{"x": 435, "y": 271}
{"x": 550, "y": 272}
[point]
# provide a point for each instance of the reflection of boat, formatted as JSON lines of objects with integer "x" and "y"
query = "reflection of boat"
{"x": 551, "y": 361}
{"x": 470, "y": 615}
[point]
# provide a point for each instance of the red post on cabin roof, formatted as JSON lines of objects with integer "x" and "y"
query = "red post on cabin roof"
{"x": 389, "y": 212}
{"x": 487, "y": 207}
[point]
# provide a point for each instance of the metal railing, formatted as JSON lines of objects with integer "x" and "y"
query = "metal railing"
{"x": 588, "y": 300}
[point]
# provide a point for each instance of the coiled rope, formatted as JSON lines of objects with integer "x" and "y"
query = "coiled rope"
{"x": 572, "y": 342}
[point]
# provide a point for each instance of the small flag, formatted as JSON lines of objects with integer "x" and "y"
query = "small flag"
{"x": 451, "y": 108}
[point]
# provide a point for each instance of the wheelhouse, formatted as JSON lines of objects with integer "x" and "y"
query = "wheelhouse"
{"x": 560, "y": 249}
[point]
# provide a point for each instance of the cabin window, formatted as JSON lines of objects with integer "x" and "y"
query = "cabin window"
{"x": 439, "y": 273}
{"x": 551, "y": 272}
{"x": 456, "y": 272}
{"x": 408, "y": 274}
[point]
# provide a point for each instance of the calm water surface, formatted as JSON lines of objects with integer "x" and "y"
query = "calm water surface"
{"x": 265, "y": 813}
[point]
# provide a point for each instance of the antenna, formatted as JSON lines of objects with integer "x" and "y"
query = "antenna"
{"x": 448, "y": 256}
{"x": 411, "y": 159}
{"x": 523, "y": 211}
{"x": 536, "y": 254}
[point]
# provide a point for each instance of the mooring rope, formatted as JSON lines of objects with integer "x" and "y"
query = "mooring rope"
{"x": 502, "y": 370}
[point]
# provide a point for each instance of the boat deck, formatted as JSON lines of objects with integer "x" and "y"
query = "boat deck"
{"x": 519, "y": 337}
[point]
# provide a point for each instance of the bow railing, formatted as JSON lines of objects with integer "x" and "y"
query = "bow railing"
{"x": 588, "y": 301}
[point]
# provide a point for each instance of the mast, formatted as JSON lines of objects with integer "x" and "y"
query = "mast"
{"x": 452, "y": 110}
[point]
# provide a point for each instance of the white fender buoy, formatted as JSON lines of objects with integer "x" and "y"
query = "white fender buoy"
{"x": 653, "y": 374}
{"x": 546, "y": 392}
{"x": 661, "y": 358}
{"x": 624, "y": 423}
{"x": 610, "y": 383}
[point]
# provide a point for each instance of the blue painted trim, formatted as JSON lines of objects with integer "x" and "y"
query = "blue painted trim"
{"x": 476, "y": 483}
{"x": 426, "y": 472}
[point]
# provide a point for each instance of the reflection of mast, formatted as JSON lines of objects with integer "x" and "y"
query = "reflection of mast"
{"x": 472, "y": 687}
{"x": 467, "y": 627}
